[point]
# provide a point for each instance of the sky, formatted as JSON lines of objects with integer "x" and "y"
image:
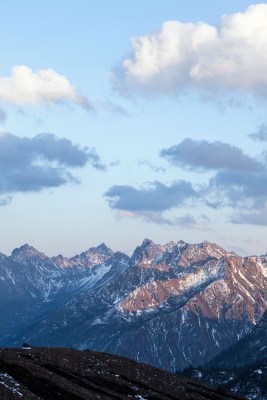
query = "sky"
{"x": 124, "y": 120}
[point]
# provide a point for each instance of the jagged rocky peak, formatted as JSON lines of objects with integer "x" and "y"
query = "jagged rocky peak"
{"x": 102, "y": 251}
{"x": 89, "y": 258}
{"x": 212, "y": 248}
{"x": 27, "y": 251}
{"x": 179, "y": 246}
{"x": 217, "y": 250}
{"x": 93, "y": 256}
{"x": 147, "y": 243}
{"x": 62, "y": 262}
{"x": 147, "y": 252}
{"x": 202, "y": 251}
{"x": 103, "y": 248}
{"x": 172, "y": 244}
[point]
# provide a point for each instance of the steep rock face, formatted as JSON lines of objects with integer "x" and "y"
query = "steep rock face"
{"x": 169, "y": 305}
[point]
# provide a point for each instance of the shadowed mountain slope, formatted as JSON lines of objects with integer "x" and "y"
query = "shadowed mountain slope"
{"x": 251, "y": 348}
{"x": 241, "y": 368}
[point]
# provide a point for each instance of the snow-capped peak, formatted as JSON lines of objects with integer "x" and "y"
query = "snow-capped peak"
{"x": 26, "y": 251}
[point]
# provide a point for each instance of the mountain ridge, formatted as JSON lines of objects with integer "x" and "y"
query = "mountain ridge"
{"x": 167, "y": 305}
{"x": 44, "y": 374}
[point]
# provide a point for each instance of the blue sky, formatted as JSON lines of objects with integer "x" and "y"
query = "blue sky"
{"x": 121, "y": 120}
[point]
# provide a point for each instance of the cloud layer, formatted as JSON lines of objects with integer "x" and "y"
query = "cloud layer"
{"x": 156, "y": 198}
{"x": 201, "y": 154}
{"x": 44, "y": 161}
{"x": 232, "y": 56}
{"x": 239, "y": 183}
{"x": 25, "y": 86}
{"x": 150, "y": 202}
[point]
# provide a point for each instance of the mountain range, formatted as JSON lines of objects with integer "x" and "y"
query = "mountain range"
{"x": 170, "y": 306}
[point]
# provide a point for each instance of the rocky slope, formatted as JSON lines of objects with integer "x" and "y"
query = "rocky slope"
{"x": 45, "y": 374}
{"x": 248, "y": 381}
{"x": 32, "y": 284}
{"x": 251, "y": 349}
{"x": 241, "y": 368}
{"x": 168, "y": 305}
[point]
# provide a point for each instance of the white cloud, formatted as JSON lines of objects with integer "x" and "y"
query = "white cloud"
{"x": 41, "y": 87}
{"x": 231, "y": 57}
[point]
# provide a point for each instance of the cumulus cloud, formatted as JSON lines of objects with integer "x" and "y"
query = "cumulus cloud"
{"x": 232, "y": 56}
{"x": 260, "y": 135}
{"x": 156, "y": 198}
{"x": 25, "y": 86}
{"x": 151, "y": 202}
{"x": 201, "y": 154}
{"x": 236, "y": 188}
{"x": 44, "y": 161}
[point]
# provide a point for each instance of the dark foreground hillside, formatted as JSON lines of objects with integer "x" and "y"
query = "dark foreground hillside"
{"x": 43, "y": 373}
